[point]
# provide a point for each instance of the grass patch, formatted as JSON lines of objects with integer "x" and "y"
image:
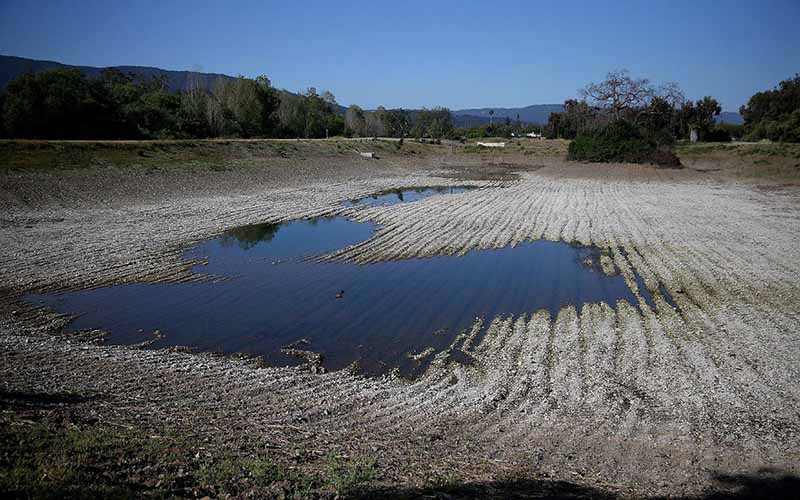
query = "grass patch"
{"x": 37, "y": 461}
{"x": 759, "y": 161}
{"x": 348, "y": 476}
{"x": 771, "y": 150}
{"x": 53, "y": 460}
{"x": 184, "y": 155}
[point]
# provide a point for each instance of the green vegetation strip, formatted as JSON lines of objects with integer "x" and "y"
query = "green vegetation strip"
{"x": 184, "y": 155}
{"x": 46, "y": 459}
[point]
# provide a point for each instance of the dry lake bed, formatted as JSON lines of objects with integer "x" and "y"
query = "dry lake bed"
{"x": 457, "y": 319}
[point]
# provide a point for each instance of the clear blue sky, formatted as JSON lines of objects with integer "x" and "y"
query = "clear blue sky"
{"x": 428, "y": 53}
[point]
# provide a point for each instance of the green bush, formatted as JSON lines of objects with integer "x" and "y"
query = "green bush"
{"x": 787, "y": 129}
{"x": 717, "y": 134}
{"x": 774, "y": 114}
{"x": 735, "y": 131}
{"x": 619, "y": 141}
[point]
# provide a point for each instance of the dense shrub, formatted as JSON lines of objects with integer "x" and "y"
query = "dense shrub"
{"x": 64, "y": 103}
{"x": 717, "y": 134}
{"x": 786, "y": 129}
{"x": 774, "y": 114}
{"x": 735, "y": 131}
{"x": 619, "y": 141}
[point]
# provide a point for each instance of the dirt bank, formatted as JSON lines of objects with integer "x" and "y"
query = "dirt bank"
{"x": 614, "y": 400}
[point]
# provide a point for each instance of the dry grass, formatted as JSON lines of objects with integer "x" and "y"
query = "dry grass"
{"x": 530, "y": 147}
{"x": 186, "y": 155}
{"x": 652, "y": 399}
{"x": 745, "y": 161}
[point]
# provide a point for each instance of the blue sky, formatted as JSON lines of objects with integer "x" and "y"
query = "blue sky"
{"x": 412, "y": 54}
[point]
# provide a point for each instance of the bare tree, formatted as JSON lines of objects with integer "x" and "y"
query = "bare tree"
{"x": 194, "y": 87}
{"x": 329, "y": 98}
{"x": 376, "y": 122}
{"x": 440, "y": 123}
{"x": 290, "y": 113}
{"x": 672, "y": 94}
{"x": 355, "y": 120}
{"x": 618, "y": 93}
{"x": 215, "y": 111}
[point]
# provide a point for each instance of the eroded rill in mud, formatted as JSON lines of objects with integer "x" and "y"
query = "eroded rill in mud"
{"x": 280, "y": 303}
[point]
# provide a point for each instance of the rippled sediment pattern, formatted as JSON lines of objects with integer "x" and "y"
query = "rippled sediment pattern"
{"x": 382, "y": 315}
{"x": 720, "y": 371}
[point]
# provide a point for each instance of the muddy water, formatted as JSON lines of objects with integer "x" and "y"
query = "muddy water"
{"x": 376, "y": 314}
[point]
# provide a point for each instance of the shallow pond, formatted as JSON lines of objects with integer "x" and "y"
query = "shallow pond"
{"x": 273, "y": 296}
{"x": 277, "y": 297}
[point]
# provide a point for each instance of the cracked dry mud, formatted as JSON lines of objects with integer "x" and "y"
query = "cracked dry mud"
{"x": 638, "y": 400}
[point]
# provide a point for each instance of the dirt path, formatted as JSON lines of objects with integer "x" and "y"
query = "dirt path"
{"x": 629, "y": 399}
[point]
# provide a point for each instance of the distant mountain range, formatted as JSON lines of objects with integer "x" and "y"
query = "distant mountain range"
{"x": 537, "y": 114}
{"x": 11, "y": 67}
{"x": 730, "y": 117}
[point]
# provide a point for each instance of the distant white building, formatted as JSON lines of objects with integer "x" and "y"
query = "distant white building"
{"x": 492, "y": 144}
{"x": 534, "y": 135}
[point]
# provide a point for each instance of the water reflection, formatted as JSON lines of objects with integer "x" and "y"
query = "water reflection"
{"x": 406, "y": 195}
{"x": 375, "y": 314}
{"x": 248, "y": 236}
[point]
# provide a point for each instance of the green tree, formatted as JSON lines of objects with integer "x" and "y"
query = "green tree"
{"x": 49, "y": 105}
{"x": 699, "y": 115}
{"x": 435, "y": 123}
{"x": 440, "y": 123}
{"x": 774, "y": 114}
{"x": 398, "y": 124}
{"x": 237, "y": 108}
{"x": 269, "y": 105}
{"x": 376, "y": 122}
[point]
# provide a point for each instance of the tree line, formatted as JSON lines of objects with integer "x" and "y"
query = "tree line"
{"x": 774, "y": 114}
{"x": 663, "y": 113}
{"x": 435, "y": 123}
{"x": 660, "y": 112}
{"x": 63, "y": 103}
{"x": 627, "y": 119}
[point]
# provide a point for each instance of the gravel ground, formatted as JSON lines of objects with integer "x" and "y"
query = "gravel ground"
{"x": 624, "y": 399}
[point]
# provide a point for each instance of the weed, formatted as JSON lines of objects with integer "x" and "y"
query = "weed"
{"x": 346, "y": 476}
{"x": 45, "y": 460}
{"x": 19, "y": 155}
{"x": 218, "y": 472}
{"x": 264, "y": 471}
{"x": 449, "y": 483}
